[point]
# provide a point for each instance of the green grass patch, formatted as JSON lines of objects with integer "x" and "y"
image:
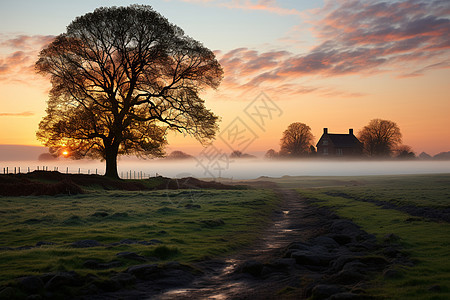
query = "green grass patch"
{"x": 427, "y": 242}
{"x": 428, "y": 190}
{"x": 188, "y": 226}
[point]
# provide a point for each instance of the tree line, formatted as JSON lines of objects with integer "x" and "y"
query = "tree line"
{"x": 380, "y": 139}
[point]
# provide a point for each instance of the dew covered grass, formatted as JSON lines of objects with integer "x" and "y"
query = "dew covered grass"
{"x": 426, "y": 241}
{"x": 181, "y": 225}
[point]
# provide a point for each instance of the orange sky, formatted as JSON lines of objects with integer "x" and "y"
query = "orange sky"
{"x": 337, "y": 66}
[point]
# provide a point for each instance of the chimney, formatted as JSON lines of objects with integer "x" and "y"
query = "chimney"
{"x": 350, "y": 131}
{"x": 325, "y": 131}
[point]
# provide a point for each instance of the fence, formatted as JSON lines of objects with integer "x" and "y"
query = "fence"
{"x": 131, "y": 174}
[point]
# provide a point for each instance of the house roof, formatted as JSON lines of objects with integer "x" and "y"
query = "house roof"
{"x": 343, "y": 140}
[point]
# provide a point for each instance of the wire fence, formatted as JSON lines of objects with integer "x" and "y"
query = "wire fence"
{"x": 128, "y": 174}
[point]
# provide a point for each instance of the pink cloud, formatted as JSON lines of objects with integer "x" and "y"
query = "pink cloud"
{"x": 248, "y": 70}
{"x": 17, "y": 65}
{"x": 406, "y": 38}
{"x": 381, "y": 32}
{"x": 262, "y": 5}
{"x": 20, "y": 114}
{"x": 26, "y": 42}
{"x": 270, "y": 6}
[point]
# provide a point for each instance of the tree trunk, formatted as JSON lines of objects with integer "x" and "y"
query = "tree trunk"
{"x": 111, "y": 162}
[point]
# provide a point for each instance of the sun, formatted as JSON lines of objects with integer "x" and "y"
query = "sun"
{"x": 65, "y": 153}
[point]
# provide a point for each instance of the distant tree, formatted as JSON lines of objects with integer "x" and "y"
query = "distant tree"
{"x": 442, "y": 156}
{"x": 46, "y": 157}
{"x": 270, "y": 154}
{"x": 239, "y": 154}
{"x": 380, "y": 137}
{"x": 404, "y": 152}
{"x": 121, "y": 78}
{"x": 424, "y": 156}
{"x": 175, "y": 155}
{"x": 297, "y": 140}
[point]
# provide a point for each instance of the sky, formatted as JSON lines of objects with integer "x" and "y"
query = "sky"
{"x": 333, "y": 64}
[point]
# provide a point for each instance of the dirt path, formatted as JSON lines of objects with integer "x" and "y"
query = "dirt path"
{"x": 306, "y": 251}
{"x": 294, "y": 221}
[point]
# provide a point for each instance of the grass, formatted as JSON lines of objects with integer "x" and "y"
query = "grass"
{"x": 190, "y": 224}
{"x": 426, "y": 241}
{"x": 197, "y": 224}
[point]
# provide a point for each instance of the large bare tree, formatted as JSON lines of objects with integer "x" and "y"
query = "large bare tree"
{"x": 380, "y": 137}
{"x": 121, "y": 78}
{"x": 297, "y": 140}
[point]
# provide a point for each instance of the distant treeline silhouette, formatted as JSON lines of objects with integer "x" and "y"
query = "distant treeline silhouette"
{"x": 379, "y": 139}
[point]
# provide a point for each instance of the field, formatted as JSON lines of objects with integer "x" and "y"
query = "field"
{"x": 413, "y": 207}
{"x": 107, "y": 229}
{"x": 181, "y": 225}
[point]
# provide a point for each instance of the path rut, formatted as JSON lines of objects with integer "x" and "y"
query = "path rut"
{"x": 293, "y": 221}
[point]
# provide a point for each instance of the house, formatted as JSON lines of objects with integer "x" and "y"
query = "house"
{"x": 335, "y": 145}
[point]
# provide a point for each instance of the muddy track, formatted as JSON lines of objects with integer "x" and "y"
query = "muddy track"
{"x": 293, "y": 221}
{"x": 305, "y": 251}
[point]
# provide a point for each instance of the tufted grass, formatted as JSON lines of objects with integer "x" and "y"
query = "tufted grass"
{"x": 426, "y": 241}
{"x": 191, "y": 225}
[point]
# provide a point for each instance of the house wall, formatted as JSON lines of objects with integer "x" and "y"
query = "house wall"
{"x": 326, "y": 148}
{"x": 331, "y": 150}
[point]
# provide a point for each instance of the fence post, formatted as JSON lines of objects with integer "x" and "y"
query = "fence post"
{"x": 79, "y": 170}
{"x": 28, "y": 169}
{"x": 19, "y": 170}
{"x": 96, "y": 172}
{"x": 67, "y": 170}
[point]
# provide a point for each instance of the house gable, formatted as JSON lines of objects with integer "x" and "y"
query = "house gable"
{"x": 332, "y": 144}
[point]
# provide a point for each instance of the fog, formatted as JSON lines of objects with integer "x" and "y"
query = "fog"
{"x": 235, "y": 169}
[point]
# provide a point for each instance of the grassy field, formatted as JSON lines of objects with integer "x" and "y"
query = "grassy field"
{"x": 183, "y": 225}
{"x": 192, "y": 225}
{"x": 426, "y": 241}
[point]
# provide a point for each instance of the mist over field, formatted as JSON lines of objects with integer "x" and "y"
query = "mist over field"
{"x": 235, "y": 169}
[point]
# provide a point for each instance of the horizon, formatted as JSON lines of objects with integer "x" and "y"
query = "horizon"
{"x": 10, "y": 153}
{"x": 235, "y": 169}
{"x": 308, "y": 62}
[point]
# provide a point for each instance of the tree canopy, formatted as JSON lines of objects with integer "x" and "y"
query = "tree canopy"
{"x": 297, "y": 140}
{"x": 121, "y": 78}
{"x": 380, "y": 137}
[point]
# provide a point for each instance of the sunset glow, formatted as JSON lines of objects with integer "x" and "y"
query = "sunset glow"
{"x": 334, "y": 64}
